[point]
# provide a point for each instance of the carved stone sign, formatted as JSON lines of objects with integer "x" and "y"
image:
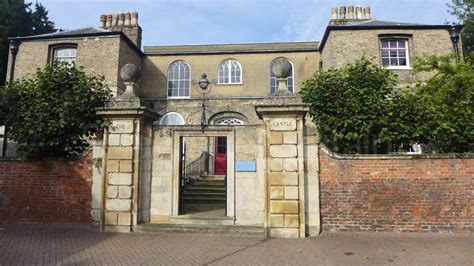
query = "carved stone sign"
{"x": 282, "y": 124}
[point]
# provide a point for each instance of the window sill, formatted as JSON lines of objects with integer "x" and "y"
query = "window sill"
{"x": 225, "y": 84}
{"x": 398, "y": 68}
{"x": 179, "y": 98}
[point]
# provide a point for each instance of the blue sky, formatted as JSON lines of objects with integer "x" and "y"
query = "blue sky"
{"x": 168, "y": 22}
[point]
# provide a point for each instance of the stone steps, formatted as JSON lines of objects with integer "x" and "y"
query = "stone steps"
{"x": 230, "y": 230}
{"x": 207, "y": 190}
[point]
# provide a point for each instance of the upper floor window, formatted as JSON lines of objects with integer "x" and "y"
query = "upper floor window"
{"x": 179, "y": 80}
{"x": 230, "y": 72}
{"x": 172, "y": 119}
{"x": 290, "y": 82}
{"x": 65, "y": 54}
{"x": 394, "y": 53}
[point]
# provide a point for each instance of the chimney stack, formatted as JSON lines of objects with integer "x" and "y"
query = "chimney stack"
{"x": 124, "y": 22}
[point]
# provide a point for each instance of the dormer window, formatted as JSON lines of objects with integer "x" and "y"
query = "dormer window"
{"x": 65, "y": 54}
{"x": 394, "y": 53}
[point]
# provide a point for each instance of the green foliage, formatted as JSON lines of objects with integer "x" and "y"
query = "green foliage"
{"x": 356, "y": 110}
{"x": 463, "y": 10}
{"x": 18, "y": 19}
{"x": 53, "y": 113}
{"x": 447, "y": 100}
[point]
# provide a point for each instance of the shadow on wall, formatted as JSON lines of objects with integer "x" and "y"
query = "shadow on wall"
{"x": 46, "y": 191}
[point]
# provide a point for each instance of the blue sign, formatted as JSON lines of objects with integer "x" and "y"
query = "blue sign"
{"x": 246, "y": 166}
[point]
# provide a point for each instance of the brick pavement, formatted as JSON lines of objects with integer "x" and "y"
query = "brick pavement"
{"x": 61, "y": 244}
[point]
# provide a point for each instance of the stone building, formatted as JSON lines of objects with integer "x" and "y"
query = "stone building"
{"x": 232, "y": 149}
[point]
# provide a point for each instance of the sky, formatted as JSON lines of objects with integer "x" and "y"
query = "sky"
{"x": 172, "y": 22}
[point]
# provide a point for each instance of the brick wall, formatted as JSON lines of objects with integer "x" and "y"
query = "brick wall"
{"x": 397, "y": 194}
{"x": 49, "y": 191}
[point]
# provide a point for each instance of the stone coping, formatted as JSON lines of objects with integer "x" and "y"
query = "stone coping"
{"x": 49, "y": 159}
{"x": 394, "y": 156}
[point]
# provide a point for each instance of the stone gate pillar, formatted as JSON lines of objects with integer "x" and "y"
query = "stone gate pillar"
{"x": 125, "y": 148}
{"x": 285, "y": 180}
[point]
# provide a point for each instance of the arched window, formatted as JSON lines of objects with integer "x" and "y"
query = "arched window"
{"x": 230, "y": 72}
{"x": 172, "y": 119}
{"x": 179, "y": 80}
{"x": 65, "y": 54}
{"x": 290, "y": 82}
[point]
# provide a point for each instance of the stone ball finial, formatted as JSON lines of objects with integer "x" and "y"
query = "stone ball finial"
{"x": 281, "y": 67}
{"x": 130, "y": 73}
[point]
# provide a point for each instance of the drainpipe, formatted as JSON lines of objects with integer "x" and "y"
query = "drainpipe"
{"x": 14, "y": 51}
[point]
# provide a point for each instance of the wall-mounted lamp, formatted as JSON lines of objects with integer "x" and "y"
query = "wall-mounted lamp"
{"x": 454, "y": 34}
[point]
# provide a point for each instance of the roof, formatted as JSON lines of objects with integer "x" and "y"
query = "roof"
{"x": 377, "y": 25}
{"x": 79, "y": 33}
{"x": 232, "y": 48}
{"x": 90, "y": 31}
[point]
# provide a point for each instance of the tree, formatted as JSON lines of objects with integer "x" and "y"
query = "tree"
{"x": 356, "y": 110}
{"x": 447, "y": 103}
{"x": 54, "y": 112}
{"x": 18, "y": 19}
{"x": 464, "y": 11}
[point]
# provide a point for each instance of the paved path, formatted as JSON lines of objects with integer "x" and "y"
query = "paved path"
{"x": 40, "y": 244}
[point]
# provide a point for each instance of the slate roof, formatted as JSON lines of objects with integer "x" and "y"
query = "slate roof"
{"x": 89, "y": 31}
{"x": 232, "y": 48}
{"x": 375, "y": 25}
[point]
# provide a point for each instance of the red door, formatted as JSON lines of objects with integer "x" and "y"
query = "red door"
{"x": 220, "y": 165}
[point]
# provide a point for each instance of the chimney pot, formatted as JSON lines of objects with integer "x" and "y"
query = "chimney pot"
{"x": 351, "y": 12}
{"x": 128, "y": 17}
{"x": 103, "y": 20}
{"x": 334, "y": 13}
{"x": 342, "y": 12}
{"x": 109, "y": 21}
{"x": 367, "y": 13}
{"x": 115, "y": 20}
{"x": 121, "y": 21}
{"x": 134, "y": 19}
{"x": 359, "y": 13}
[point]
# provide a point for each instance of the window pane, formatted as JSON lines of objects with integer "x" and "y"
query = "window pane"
{"x": 401, "y": 44}
{"x": 393, "y": 62}
{"x": 384, "y": 44}
{"x": 402, "y": 53}
{"x": 384, "y": 53}
{"x": 403, "y": 62}
{"x": 385, "y": 61}
{"x": 393, "y": 44}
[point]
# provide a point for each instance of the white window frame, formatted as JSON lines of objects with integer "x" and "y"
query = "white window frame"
{"x": 172, "y": 113}
{"x": 68, "y": 59}
{"x": 179, "y": 79}
{"x": 407, "y": 52}
{"x": 228, "y": 65}
{"x": 276, "y": 81}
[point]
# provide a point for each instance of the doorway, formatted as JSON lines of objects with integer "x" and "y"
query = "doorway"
{"x": 202, "y": 176}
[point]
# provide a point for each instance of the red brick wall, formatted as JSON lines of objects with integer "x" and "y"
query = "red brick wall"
{"x": 399, "y": 194}
{"x": 49, "y": 191}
